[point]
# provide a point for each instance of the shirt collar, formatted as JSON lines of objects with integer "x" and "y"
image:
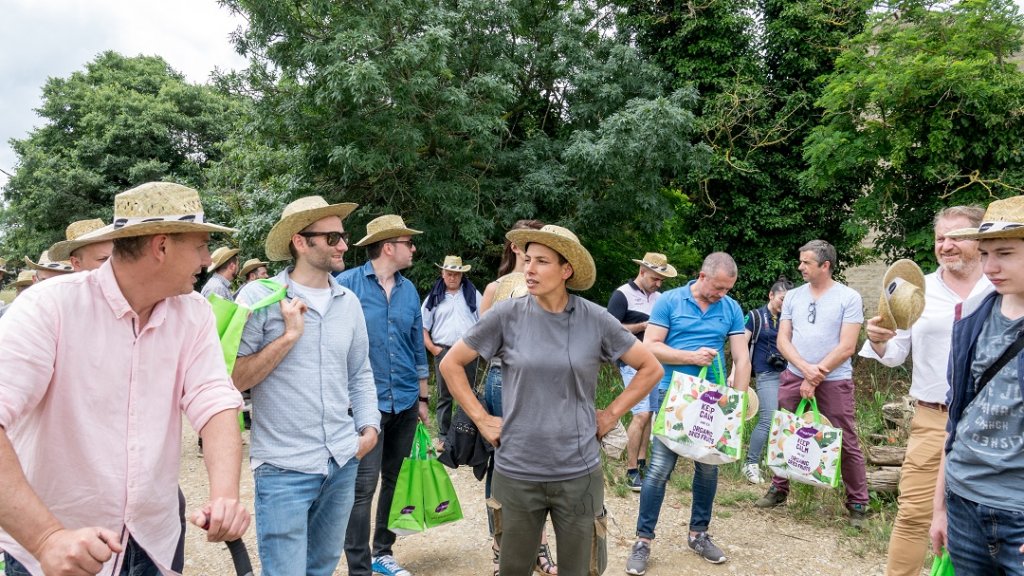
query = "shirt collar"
{"x": 370, "y": 273}
{"x": 115, "y": 297}
{"x": 284, "y": 278}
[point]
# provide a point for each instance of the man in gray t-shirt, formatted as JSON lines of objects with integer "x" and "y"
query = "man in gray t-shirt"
{"x": 818, "y": 332}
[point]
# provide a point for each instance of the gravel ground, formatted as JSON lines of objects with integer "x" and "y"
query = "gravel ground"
{"x": 756, "y": 542}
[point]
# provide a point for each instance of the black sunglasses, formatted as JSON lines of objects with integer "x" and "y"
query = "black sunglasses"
{"x": 812, "y": 312}
{"x": 332, "y": 237}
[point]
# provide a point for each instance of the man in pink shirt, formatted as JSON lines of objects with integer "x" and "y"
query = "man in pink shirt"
{"x": 99, "y": 367}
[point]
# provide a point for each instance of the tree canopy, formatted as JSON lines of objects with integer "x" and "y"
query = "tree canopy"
{"x": 119, "y": 123}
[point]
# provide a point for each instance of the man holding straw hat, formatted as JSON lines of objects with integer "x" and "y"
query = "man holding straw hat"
{"x": 306, "y": 362}
{"x": 100, "y": 368}
{"x": 391, "y": 306}
{"x": 892, "y": 336}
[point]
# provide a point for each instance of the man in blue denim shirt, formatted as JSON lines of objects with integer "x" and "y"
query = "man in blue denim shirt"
{"x": 307, "y": 363}
{"x": 391, "y": 305}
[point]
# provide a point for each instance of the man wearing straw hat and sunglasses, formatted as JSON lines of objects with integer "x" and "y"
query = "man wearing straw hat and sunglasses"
{"x": 101, "y": 366}
{"x": 306, "y": 362}
{"x": 391, "y": 305}
{"x": 978, "y": 513}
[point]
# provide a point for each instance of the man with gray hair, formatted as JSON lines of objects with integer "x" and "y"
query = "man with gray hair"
{"x": 686, "y": 331}
{"x": 818, "y": 332}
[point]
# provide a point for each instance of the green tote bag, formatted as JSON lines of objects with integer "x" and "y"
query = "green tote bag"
{"x": 231, "y": 318}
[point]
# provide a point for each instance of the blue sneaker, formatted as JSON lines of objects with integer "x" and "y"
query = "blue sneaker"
{"x": 634, "y": 480}
{"x": 388, "y": 566}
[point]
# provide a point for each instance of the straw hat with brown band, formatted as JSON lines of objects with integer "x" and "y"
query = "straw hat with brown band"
{"x": 656, "y": 262}
{"x": 902, "y": 300}
{"x": 156, "y": 208}
{"x": 454, "y": 264}
{"x": 250, "y": 265}
{"x": 563, "y": 241}
{"x": 25, "y": 278}
{"x": 1003, "y": 219}
{"x": 295, "y": 217}
{"x": 220, "y": 256}
{"x": 47, "y": 265}
{"x": 75, "y": 231}
{"x": 386, "y": 227}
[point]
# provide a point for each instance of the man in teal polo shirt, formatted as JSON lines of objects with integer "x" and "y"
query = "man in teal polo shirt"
{"x": 687, "y": 330}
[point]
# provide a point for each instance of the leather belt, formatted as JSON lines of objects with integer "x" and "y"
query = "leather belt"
{"x": 933, "y": 406}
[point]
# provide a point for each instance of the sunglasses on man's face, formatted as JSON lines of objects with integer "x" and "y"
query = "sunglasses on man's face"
{"x": 332, "y": 237}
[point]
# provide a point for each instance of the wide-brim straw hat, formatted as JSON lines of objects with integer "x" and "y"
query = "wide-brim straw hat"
{"x": 156, "y": 208}
{"x": 902, "y": 300}
{"x": 1003, "y": 219}
{"x": 658, "y": 263}
{"x": 250, "y": 265}
{"x": 563, "y": 241}
{"x": 75, "y": 231}
{"x": 298, "y": 215}
{"x": 46, "y": 264}
{"x": 753, "y": 404}
{"x": 384, "y": 228}
{"x": 454, "y": 264}
{"x": 220, "y": 256}
{"x": 25, "y": 278}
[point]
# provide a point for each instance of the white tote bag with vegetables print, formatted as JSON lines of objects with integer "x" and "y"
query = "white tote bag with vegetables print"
{"x": 702, "y": 420}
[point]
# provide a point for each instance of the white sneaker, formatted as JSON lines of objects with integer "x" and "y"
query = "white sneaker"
{"x": 752, "y": 473}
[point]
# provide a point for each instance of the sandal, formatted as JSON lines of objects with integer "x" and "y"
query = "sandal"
{"x": 545, "y": 564}
{"x": 497, "y": 557}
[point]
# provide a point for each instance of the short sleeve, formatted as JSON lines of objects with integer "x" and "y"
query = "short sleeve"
{"x": 616, "y": 340}
{"x": 618, "y": 306}
{"x": 486, "y": 337}
{"x": 787, "y": 307}
{"x": 253, "y": 333}
{"x": 736, "y": 325}
{"x": 661, "y": 314}
{"x": 853, "y": 308}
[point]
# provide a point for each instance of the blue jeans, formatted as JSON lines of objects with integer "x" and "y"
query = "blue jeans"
{"x": 768, "y": 397}
{"x": 492, "y": 402}
{"x": 301, "y": 518}
{"x": 983, "y": 541}
{"x": 380, "y": 466}
{"x": 136, "y": 563}
{"x": 652, "y": 494}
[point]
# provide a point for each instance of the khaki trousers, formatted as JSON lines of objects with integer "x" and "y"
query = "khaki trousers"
{"x": 909, "y": 543}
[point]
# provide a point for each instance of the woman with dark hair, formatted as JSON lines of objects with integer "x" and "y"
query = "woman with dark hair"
{"x": 767, "y": 363}
{"x": 552, "y": 345}
{"x": 510, "y": 282}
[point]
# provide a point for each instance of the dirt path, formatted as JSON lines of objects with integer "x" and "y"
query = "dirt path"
{"x": 756, "y": 542}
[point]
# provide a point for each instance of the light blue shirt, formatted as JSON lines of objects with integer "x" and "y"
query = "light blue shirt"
{"x": 690, "y": 328}
{"x": 395, "y": 328}
{"x": 450, "y": 319}
{"x": 301, "y": 409}
{"x": 815, "y": 340}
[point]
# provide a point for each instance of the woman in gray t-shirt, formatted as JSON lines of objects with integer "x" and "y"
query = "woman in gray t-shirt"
{"x": 551, "y": 345}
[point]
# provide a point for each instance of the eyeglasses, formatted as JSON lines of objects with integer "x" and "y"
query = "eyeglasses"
{"x": 812, "y": 312}
{"x": 332, "y": 237}
{"x": 408, "y": 243}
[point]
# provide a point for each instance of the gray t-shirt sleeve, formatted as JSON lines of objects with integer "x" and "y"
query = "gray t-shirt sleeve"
{"x": 615, "y": 340}
{"x": 486, "y": 337}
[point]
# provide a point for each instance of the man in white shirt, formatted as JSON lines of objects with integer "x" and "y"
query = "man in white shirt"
{"x": 958, "y": 278}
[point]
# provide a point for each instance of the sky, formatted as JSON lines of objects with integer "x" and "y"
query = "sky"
{"x": 54, "y": 38}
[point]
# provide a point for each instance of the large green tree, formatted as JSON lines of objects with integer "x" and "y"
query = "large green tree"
{"x": 463, "y": 117}
{"x": 923, "y": 111}
{"x": 119, "y": 123}
{"x": 755, "y": 63}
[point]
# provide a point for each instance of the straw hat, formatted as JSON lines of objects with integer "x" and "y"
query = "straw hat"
{"x": 902, "y": 300}
{"x": 156, "y": 208}
{"x": 298, "y": 215}
{"x": 753, "y": 403}
{"x": 220, "y": 256}
{"x": 25, "y": 278}
{"x": 384, "y": 228}
{"x": 1003, "y": 219}
{"x": 454, "y": 264}
{"x": 658, "y": 263}
{"x": 45, "y": 264}
{"x": 62, "y": 250}
{"x": 250, "y": 265}
{"x": 566, "y": 243}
